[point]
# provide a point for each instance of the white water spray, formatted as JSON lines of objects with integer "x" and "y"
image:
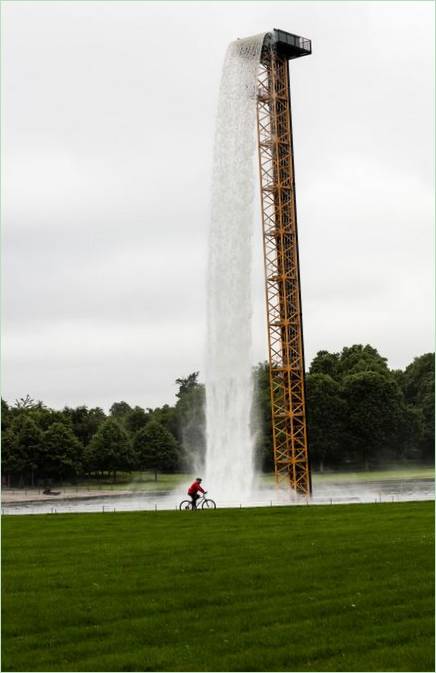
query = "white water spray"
{"x": 229, "y": 385}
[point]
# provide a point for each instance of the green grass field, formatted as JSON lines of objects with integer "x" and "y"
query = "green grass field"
{"x": 311, "y": 588}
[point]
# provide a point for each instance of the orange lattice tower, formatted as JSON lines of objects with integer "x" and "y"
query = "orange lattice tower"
{"x": 282, "y": 270}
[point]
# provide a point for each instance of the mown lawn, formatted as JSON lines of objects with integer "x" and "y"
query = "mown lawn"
{"x": 311, "y": 588}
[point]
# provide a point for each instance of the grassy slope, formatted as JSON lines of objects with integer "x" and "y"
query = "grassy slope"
{"x": 344, "y": 588}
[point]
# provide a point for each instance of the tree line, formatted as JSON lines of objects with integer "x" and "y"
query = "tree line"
{"x": 360, "y": 415}
{"x": 42, "y": 445}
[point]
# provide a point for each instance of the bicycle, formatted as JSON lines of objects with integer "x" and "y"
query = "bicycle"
{"x": 202, "y": 503}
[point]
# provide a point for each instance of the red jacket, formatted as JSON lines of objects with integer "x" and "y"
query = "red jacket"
{"x": 195, "y": 487}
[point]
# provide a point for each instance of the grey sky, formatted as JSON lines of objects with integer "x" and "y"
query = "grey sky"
{"x": 108, "y": 121}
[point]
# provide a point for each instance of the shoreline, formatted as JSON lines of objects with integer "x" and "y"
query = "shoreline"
{"x": 17, "y": 496}
{"x": 23, "y": 496}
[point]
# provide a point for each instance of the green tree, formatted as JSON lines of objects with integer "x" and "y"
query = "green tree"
{"x": 45, "y": 417}
{"x": 166, "y": 416}
{"x": 62, "y": 452}
{"x": 12, "y": 459}
{"x": 25, "y": 403}
{"x": 352, "y": 359}
{"x": 187, "y": 384}
{"x": 27, "y": 446}
{"x": 418, "y": 387}
{"x": 110, "y": 449}
{"x": 191, "y": 421}
{"x": 136, "y": 419}
{"x": 373, "y": 415}
{"x": 325, "y": 363}
{"x": 325, "y": 420}
{"x": 120, "y": 410}
{"x": 6, "y": 415}
{"x": 84, "y": 422}
{"x": 410, "y": 431}
{"x": 156, "y": 449}
{"x": 360, "y": 358}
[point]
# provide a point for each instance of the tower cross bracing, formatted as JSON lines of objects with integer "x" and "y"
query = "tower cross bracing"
{"x": 282, "y": 271}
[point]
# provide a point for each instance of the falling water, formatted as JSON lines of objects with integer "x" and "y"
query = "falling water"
{"x": 229, "y": 386}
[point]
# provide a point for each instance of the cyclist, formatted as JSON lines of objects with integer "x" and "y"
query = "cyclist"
{"x": 193, "y": 491}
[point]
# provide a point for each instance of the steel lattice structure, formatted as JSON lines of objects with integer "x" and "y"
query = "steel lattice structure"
{"x": 282, "y": 274}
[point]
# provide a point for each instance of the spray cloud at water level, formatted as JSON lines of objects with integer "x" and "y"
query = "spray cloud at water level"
{"x": 229, "y": 386}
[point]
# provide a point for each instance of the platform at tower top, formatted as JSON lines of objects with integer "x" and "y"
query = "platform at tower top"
{"x": 290, "y": 45}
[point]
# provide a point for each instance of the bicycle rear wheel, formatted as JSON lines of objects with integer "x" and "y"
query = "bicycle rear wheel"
{"x": 208, "y": 504}
{"x": 185, "y": 505}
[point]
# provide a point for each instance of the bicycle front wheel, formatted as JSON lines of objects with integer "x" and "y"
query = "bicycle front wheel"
{"x": 208, "y": 504}
{"x": 185, "y": 505}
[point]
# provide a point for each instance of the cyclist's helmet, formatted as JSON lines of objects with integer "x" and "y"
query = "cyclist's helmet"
{"x": 199, "y": 479}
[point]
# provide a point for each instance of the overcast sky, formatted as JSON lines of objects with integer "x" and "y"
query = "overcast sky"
{"x": 108, "y": 120}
